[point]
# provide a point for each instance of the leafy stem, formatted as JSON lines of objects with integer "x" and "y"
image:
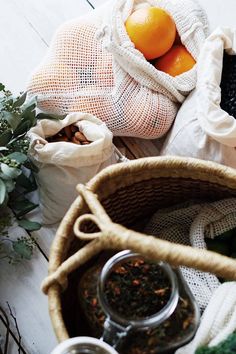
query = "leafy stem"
{"x": 17, "y": 116}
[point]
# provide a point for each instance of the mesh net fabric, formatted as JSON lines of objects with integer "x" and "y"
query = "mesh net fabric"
{"x": 92, "y": 67}
{"x": 189, "y": 224}
{"x": 82, "y": 77}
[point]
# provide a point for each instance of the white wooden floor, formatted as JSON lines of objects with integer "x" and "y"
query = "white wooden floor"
{"x": 26, "y": 27}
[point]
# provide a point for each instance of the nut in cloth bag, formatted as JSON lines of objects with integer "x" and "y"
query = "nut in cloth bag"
{"x": 92, "y": 66}
{"x": 202, "y": 129}
{"x": 63, "y": 164}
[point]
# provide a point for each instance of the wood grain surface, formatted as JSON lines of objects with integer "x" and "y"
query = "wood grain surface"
{"x": 26, "y": 28}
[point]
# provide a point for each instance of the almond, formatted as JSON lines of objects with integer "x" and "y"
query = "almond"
{"x": 80, "y": 136}
{"x": 75, "y": 141}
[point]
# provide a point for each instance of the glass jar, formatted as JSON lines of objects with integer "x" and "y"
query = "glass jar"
{"x": 84, "y": 345}
{"x": 161, "y": 328}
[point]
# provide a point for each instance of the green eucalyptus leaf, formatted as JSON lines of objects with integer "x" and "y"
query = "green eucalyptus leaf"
{"x": 10, "y": 185}
{"x": 5, "y": 137}
{"x": 17, "y": 116}
{"x": 22, "y": 128}
{"x": 13, "y": 140}
{"x": 29, "y": 110}
{"x": 22, "y": 249}
{"x": 12, "y": 118}
{"x": 31, "y": 166}
{"x": 25, "y": 211}
{"x": 10, "y": 100}
{"x": 11, "y": 172}
{"x": 23, "y": 207}
{"x": 30, "y": 118}
{"x": 30, "y": 104}
{"x": 3, "y": 191}
{"x": 2, "y": 102}
{"x": 22, "y": 204}
{"x": 19, "y": 102}
{"x": 18, "y": 198}
{"x": 27, "y": 183}
{"x": 29, "y": 225}
{"x": 50, "y": 116}
{"x": 18, "y": 157}
{"x": 5, "y": 177}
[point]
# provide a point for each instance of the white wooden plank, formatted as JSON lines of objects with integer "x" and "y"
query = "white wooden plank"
{"x": 97, "y": 3}
{"x": 21, "y": 47}
{"x": 46, "y": 15}
{"x": 119, "y": 143}
{"x": 44, "y": 237}
{"x": 20, "y": 287}
{"x": 220, "y": 13}
{"x": 141, "y": 147}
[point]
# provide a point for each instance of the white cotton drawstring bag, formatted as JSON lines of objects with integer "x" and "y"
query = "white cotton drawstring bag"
{"x": 202, "y": 129}
{"x": 190, "y": 224}
{"x": 62, "y": 165}
{"x": 218, "y": 320}
{"x": 92, "y": 66}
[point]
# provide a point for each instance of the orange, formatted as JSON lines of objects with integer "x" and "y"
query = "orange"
{"x": 152, "y": 31}
{"x": 176, "y": 61}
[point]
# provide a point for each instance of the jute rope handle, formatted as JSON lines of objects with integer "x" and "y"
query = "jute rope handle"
{"x": 113, "y": 236}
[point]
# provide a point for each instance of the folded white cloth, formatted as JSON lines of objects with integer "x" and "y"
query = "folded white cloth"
{"x": 218, "y": 320}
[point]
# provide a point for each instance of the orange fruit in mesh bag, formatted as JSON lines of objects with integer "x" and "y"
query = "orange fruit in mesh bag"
{"x": 152, "y": 30}
{"x": 175, "y": 62}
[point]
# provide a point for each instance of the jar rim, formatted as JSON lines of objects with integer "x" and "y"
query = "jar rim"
{"x": 146, "y": 322}
{"x": 73, "y": 343}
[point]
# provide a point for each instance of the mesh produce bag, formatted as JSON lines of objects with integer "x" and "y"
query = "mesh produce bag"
{"x": 190, "y": 225}
{"x": 92, "y": 66}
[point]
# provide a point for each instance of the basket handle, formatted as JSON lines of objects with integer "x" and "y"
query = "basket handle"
{"x": 113, "y": 236}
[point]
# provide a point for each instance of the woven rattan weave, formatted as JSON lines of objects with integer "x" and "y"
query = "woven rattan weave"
{"x": 119, "y": 197}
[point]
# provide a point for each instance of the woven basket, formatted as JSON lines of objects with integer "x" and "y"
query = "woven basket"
{"x": 120, "y": 196}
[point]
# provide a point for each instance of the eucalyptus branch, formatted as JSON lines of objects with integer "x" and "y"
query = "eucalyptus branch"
{"x": 3, "y": 257}
{"x": 5, "y": 320}
{"x": 17, "y": 116}
{"x": 17, "y": 328}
